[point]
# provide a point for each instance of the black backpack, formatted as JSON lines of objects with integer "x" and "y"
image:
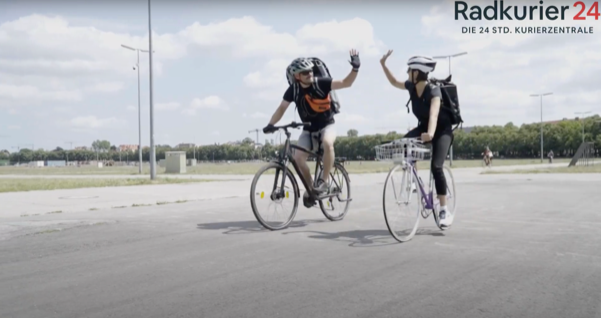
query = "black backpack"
{"x": 319, "y": 70}
{"x": 450, "y": 99}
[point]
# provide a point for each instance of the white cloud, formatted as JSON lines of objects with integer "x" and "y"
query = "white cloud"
{"x": 246, "y": 37}
{"x": 45, "y": 58}
{"x": 259, "y": 115}
{"x": 40, "y": 62}
{"x": 131, "y": 108}
{"x": 350, "y": 119}
{"x": 167, "y": 106}
{"x": 27, "y": 93}
{"x": 209, "y": 102}
{"x": 61, "y": 109}
{"x": 94, "y": 122}
{"x": 107, "y": 87}
{"x": 215, "y": 133}
{"x": 14, "y": 127}
{"x": 334, "y": 36}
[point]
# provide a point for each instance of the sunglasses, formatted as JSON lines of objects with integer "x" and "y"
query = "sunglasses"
{"x": 305, "y": 73}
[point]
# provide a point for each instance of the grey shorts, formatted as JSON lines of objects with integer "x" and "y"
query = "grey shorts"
{"x": 309, "y": 140}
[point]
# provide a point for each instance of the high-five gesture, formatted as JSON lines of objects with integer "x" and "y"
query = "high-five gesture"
{"x": 355, "y": 62}
{"x": 383, "y": 59}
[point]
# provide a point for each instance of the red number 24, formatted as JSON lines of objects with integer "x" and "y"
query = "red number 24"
{"x": 590, "y": 12}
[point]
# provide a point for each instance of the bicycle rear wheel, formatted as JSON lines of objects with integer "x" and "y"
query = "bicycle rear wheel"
{"x": 272, "y": 193}
{"x": 335, "y": 208}
{"x": 398, "y": 196}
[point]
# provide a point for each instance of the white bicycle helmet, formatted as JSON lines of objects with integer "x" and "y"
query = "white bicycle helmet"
{"x": 299, "y": 65}
{"x": 422, "y": 63}
{"x": 296, "y": 66}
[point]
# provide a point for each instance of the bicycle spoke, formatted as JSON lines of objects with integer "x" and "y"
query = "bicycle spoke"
{"x": 335, "y": 205}
{"x": 276, "y": 213}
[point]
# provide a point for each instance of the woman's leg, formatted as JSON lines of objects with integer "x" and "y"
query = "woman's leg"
{"x": 440, "y": 149}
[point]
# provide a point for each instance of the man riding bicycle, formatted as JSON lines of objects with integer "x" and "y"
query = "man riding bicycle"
{"x": 312, "y": 98}
{"x": 434, "y": 125}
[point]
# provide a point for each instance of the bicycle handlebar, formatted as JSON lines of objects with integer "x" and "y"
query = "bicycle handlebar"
{"x": 291, "y": 125}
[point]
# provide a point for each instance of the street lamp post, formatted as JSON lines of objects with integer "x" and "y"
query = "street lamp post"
{"x": 152, "y": 149}
{"x": 139, "y": 112}
{"x": 449, "y": 57}
{"x": 582, "y": 121}
{"x": 541, "y": 121}
{"x": 66, "y": 152}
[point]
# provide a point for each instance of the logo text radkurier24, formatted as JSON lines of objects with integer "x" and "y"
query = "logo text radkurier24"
{"x": 500, "y": 11}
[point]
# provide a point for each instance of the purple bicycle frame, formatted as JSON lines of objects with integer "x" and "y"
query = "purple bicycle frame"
{"x": 427, "y": 197}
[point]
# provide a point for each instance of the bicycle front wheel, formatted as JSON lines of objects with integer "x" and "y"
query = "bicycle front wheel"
{"x": 401, "y": 205}
{"x": 267, "y": 194}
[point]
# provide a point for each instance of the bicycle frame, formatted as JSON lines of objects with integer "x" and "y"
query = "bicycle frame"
{"x": 286, "y": 157}
{"x": 427, "y": 197}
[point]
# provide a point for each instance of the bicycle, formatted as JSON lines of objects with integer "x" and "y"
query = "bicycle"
{"x": 486, "y": 161}
{"x": 279, "y": 193}
{"x": 404, "y": 153}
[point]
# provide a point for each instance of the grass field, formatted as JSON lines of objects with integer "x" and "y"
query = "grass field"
{"x": 245, "y": 168}
{"x": 33, "y": 184}
{"x": 578, "y": 169}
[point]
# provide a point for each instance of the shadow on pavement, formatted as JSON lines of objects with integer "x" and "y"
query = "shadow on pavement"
{"x": 365, "y": 238}
{"x": 245, "y": 227}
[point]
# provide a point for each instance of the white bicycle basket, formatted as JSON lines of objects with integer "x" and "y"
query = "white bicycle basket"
{"x": 402, "y": 149}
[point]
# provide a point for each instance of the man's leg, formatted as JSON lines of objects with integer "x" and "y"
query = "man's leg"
{"x": 300, "y": 157}
{"x": 328, "y": 139}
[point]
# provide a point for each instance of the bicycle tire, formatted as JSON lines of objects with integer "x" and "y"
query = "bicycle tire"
{"x": 348, "y": 181}
{"x": 406, "y": 171}
{"x": 296, "y": 192}
{"x": 451, "y": 187}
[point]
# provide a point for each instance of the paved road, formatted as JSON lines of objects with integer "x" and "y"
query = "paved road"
{"x": 230, "y": 177}
{"x": 522, "y": 246}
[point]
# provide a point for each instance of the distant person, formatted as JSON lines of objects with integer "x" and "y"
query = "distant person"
{"x": 550, "y": 155}
{"x": 487, "y": 156}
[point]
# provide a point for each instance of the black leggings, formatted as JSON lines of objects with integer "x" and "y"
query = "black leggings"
{"x": 440, "y": 147}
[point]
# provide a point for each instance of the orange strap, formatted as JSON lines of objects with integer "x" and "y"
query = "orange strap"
{"x": 318, "y": 105}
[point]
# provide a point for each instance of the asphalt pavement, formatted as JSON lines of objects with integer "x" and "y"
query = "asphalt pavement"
{"x": 521, "y": 246}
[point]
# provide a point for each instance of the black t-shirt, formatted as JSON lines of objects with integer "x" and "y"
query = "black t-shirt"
{"x": 321, "y": 88}
{"x": 421, "y": 106}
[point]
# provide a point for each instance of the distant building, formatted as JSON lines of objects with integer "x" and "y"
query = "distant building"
{"x": 125, "y": 148}
{"x": 185, "y": 146}
{"x": 81, "y": 148}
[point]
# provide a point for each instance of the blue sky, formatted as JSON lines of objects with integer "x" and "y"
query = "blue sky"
{"x": 219, "y": 68}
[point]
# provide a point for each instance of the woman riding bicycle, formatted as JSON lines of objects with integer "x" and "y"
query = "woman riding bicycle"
{"x": 434, "y": 125}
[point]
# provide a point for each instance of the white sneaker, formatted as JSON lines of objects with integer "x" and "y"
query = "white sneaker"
{"x": 445, "y": 219}
{"x": 322, "y": 186}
